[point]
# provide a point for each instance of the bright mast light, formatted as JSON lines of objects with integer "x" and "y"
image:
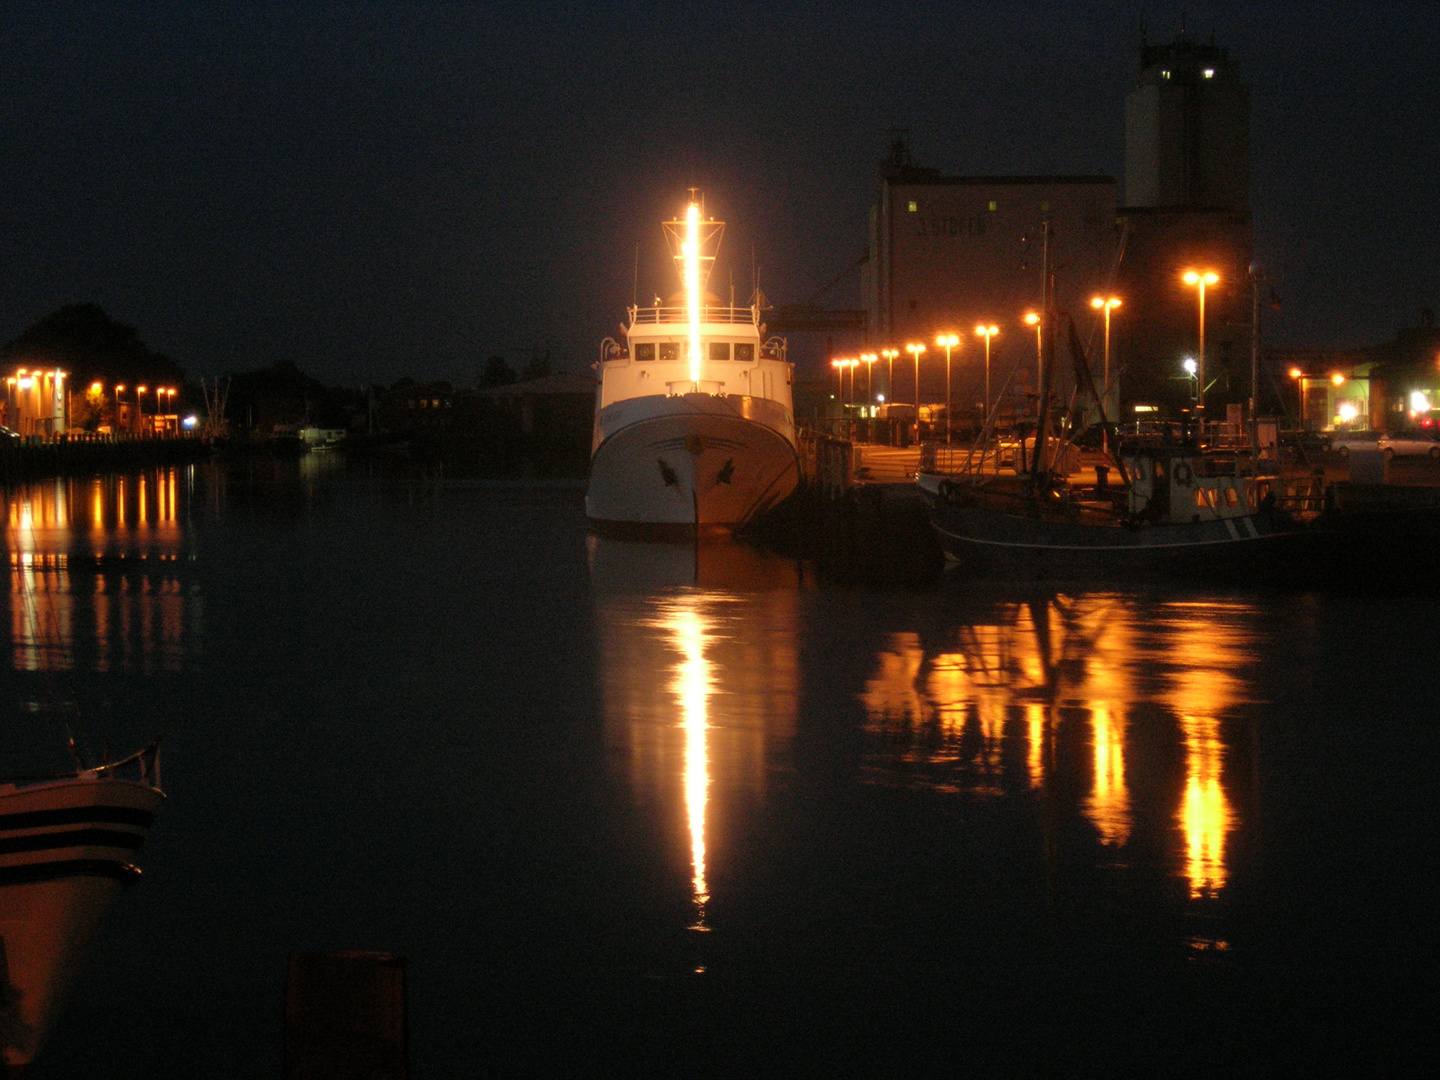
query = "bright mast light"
{"x": 691, "y": 252}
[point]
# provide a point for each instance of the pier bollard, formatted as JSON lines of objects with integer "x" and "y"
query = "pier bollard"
{"x": 345, "y": 1017}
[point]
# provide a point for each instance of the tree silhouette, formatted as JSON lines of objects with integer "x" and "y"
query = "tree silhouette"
{"x": 83, "y": 340}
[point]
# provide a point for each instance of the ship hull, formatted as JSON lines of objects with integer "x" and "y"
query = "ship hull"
{"x": 984, "y": 537}
{"x": 688, "y": 464}
{"x": 65, "y": 851}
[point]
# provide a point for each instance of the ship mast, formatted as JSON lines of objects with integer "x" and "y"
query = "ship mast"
{"x": 694, "y": 243}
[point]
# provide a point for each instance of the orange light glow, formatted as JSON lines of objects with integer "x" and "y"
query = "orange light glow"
{"x": 692, "y": 686}
{"x": 691, "y": 253}
{"x": 1337, "y": 379}
{"x": 1109, "y": 803}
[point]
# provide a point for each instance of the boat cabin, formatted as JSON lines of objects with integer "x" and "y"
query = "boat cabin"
{"x": 1180, "y": 488}
{"x": 655, "y": 357}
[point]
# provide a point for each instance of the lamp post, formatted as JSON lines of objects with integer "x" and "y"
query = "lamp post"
{"x": 1201, "y": 278}
{"x": 947, "y": 342}
{"x": 1032, "y": 318}
{"x": 1299, "y": 377}
{"x": 915, "y": 349}
{"x": 1106, "y": 304}
{"x": 1190, "y": 369}
{"x": 140, "y": 410}
{"x": 868, "y": 359}
{"x": 839, "y": 366}
{"x": 987, "y": 332}
{"x": 890, "y": 355}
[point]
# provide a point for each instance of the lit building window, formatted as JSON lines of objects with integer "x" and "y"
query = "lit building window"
{"x": 1164, "y": 74}
{"x": 992, "y": 205}
{"x": 1209, "y": 73}
{"x": 913, "y": 206}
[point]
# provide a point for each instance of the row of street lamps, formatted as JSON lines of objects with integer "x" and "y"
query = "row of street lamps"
{"x": 949, "y": 340}
{"x": 161, "y": 393}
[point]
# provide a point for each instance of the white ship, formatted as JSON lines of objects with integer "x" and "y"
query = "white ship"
{"x": 694, "y": 423}
{"x": 65, "y": 851}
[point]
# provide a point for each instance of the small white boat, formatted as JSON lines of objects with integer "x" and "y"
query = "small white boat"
{"x": 66, "y": 845}
{"x": 694, "y": 421}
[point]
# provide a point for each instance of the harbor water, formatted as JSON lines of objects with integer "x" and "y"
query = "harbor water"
{"x": 637, "y": 810}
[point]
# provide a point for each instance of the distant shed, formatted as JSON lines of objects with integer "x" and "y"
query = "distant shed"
{"x": 559, "y": 406}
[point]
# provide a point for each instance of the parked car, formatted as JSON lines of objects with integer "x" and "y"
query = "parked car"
{"x": 6, "y": 434}
{"x": 1397, "y": 444}
{"x": 1342, "y": 442}
{"x": 1410, "y": 443}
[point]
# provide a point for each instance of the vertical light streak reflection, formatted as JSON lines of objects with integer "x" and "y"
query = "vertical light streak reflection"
{"x": 1036, "y": 695}
{"x": 691, "y": 686}
{"x": 1035, "y": 744}
{"x": 1109, "y": 804}
{"x": 133, "y": 614}
{"x": 1200, "y": 692}
{"x": 1204, "y": 810}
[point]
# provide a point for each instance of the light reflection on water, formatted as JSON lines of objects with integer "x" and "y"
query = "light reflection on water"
{"x": 95, "y": 570}
{"x": 698, "y": 682}
{"x": 1040, "y": 696}
{"x": 1036, "y": 673}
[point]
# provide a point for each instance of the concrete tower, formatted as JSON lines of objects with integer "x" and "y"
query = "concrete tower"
{"x": 1187, "y": 206}
{"x": 1187, "y": 130}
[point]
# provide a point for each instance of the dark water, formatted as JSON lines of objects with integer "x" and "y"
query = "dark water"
{"x": 622, "y": 822}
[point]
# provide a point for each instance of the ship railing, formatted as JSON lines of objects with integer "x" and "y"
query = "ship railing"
{"x": 144, "y": 763}
{"x": 734, "y": 316}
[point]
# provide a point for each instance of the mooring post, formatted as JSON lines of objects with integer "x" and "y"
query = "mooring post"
{"x": 345, "y": 1016}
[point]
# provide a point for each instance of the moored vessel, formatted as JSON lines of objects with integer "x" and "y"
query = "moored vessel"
{"x": 694, "y": 426}
{"x": 1182, "y": 512}
{"x": 66, "y": 845}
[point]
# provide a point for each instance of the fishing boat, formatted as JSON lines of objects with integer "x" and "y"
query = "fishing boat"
{"x": 694, "y": 429}
{"x": 1181, "y": 507}
{"x": 66, "y": 845}
{"x": 1182, "y": 513}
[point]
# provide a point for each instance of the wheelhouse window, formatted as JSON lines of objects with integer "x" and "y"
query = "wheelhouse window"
{"x": 745, "y": 352}
{"x": 669, "y": 350}
{"x": 645, "y": 350}
{"x": 719, "y": 350}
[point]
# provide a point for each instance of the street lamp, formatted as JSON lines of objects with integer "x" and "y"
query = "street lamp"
{"x": 890, "y": 355}
{"x": 839, "y": 366}
{"x": 1299, "y": 377}
{"x": 947, "y": 342}
{"x": 1201, "y": 278}
{"x": 1190, "y": 368}
{"x": 915, "y": 349}
{"x": 868, "y": 359}
{"x": 1106, "y": 304}
{"x": 987, "y": 332}
{"x": 1032, "y": 318}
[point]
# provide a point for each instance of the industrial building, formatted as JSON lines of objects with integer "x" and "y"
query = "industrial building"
{"x": 948, "y": 252}
{"x": 1187, "y": 206}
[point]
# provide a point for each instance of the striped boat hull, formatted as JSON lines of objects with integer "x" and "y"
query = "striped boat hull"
{"x": 66, "y": 851}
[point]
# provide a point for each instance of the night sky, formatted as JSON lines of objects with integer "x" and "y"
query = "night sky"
{"x": 374, "y": 190}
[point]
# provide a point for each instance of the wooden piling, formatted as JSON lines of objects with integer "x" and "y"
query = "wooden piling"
{"x": 345, "y": 1017}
